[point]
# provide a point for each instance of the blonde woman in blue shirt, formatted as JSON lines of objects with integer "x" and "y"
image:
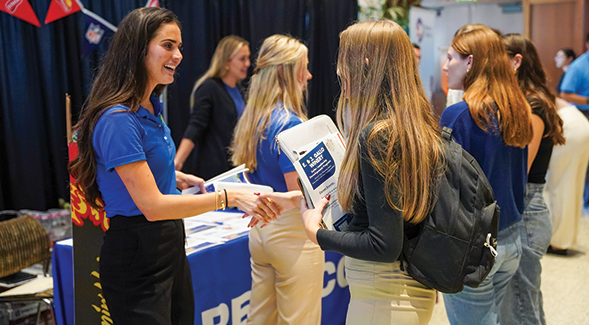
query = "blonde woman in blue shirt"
{"x": 287, "y": 268}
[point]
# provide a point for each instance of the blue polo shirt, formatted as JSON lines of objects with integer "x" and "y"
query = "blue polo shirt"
{"x": 121, "y": 138}
{"x": 272, "y": 164}
{"x": 576, "y": 79}
{"x": 505, "y": 166}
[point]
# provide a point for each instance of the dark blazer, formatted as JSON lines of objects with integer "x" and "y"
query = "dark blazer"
{"x": 211, "y": 127}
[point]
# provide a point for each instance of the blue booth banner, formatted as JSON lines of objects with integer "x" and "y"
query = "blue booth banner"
{"x": 221, "y": 279}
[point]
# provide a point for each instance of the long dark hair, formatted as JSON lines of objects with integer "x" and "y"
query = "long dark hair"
{"x": 531, "y": 78}
{"x": 122, "y": 79}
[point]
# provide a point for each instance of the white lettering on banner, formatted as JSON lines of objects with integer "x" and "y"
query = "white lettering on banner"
{"x": 12, "y": 5}
{"x": 239, "y": 308}
{"x": 240, "y": 304}
{"x": 341, "y": 277}
{"x": 330, "y": 269}
{"x": 221, "y": 311}
{"x": 66, "y": 5}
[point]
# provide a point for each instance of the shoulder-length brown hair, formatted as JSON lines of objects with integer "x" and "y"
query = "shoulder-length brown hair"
{"x": 490, "y": 87}
{"x": 122, "y": 79}
{"x": 381, "y": 85}
{"x": 532, "y": 81}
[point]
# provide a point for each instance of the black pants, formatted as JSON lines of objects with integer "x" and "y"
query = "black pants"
{"x": 144, "y": 272}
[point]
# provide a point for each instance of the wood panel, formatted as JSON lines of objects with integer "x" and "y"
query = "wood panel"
{"x": 556, "y": 24}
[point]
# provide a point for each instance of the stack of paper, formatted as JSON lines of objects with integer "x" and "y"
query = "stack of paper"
{"x": 231, "y": 179}
{"x": 214, "y": 228}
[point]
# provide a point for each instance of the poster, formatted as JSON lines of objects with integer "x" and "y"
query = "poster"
{"x": 421, "y": 32}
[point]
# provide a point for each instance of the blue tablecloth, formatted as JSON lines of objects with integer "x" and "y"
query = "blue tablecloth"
{"x": 221, "y": 277}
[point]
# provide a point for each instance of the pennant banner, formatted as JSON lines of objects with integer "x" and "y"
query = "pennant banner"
{"x": 61, "y": 8}
{"x": 96, "y": 30}
{"x": 20, "y": 9}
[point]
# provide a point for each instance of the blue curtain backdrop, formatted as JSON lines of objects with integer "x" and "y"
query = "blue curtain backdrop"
{"x": 38, "y": 66}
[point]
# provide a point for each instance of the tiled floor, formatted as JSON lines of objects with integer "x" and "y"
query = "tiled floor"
{"x": 565, "y": 285}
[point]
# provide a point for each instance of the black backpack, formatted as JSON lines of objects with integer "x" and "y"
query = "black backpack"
{"x": 456, "y": 243}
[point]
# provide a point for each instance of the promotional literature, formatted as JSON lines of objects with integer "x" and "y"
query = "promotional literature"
{"x": 316, "y": 149}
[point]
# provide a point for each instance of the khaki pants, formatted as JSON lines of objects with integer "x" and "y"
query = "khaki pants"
{"x": 287, "y": 273}
{"x": 382, "y": 294}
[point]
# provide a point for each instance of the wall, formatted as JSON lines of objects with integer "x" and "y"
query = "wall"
{"x": 553, "y": 25}
{"x": 452, "y": 17}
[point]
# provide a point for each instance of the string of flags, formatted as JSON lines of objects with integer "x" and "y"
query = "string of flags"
{"x": 96, "y": 28}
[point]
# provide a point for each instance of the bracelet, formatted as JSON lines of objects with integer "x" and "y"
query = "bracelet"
{"x": 221, "y": 198}
{"x": 587, "y": 101}
{"x": 226, "y": 200}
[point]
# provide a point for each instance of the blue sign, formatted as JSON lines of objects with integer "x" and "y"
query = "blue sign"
{"x": 318, "y": 165}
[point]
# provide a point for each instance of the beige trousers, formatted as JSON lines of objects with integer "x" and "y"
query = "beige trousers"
{"x": 287, "y": 273}
{"x": 565, "y": 180}
{"x": 382, "y": 294}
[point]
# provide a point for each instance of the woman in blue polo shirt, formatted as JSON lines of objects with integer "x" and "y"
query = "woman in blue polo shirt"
{"x": 493, "y": 124}
{"x": 287, "y": 268}
{"x": 126, "y": 159}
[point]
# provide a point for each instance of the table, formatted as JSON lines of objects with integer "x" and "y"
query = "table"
{"x": 221, "y": 277}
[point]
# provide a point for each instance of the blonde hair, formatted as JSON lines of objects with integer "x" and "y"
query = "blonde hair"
{"x": 491, "y": 89}
{"x": 226, "y": 49}
{"x": 279, "y": 63}
{"x": 377, "y": 67}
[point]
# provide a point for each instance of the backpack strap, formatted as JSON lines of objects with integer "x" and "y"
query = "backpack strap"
{"x": 447, "y": 133}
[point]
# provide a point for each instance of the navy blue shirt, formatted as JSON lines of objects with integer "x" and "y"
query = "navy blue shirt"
{"x": 505, "y": 166}
{"x": 237, "y": 99}
{"x": 121, "y": 138}
{"x": 272, "y": 165}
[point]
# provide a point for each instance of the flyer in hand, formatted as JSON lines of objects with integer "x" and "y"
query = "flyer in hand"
{"x": 316, "y": 149}
{"x": 231, "y": 179}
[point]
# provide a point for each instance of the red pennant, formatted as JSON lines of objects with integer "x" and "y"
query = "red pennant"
{"x": 152, "y": 3}
{"x": 20, "y": 9}
{"x": 61, "y": 8}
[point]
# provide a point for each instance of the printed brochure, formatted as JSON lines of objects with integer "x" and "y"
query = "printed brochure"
{"x": 316, "y": 149}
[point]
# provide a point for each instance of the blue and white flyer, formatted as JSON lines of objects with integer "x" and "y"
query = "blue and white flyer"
{"x": 316, "y": 149}
{"x": 318, "y": 169}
